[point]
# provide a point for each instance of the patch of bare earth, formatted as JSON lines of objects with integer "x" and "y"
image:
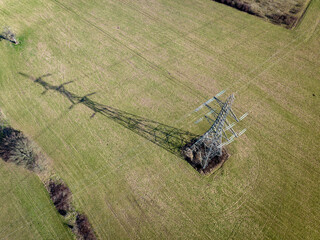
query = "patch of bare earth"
{"x": 282, "y": 12}
{"x": 194, "y": 158}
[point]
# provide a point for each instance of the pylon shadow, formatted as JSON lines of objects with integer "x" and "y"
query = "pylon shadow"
{"x": 169, "y": 138}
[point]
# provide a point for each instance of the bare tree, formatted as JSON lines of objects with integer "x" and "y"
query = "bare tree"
{"x": 8, "y": 35}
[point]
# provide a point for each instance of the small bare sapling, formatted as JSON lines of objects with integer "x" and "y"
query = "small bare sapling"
{"x": 8, "y": 35}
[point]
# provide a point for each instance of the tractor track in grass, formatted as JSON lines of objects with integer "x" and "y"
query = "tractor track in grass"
{"x": 199, "y": 47}
{"x": 141, "y": 144}
{"x": 235, "y": 206}
{"x": 184, "y": 35}
{"x": 156, "y": 67}
{"x": 151, "y": 64}
{"x": 250, "y": 83}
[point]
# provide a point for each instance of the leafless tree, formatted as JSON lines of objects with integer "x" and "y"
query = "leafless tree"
{"x": 7, "y": 34}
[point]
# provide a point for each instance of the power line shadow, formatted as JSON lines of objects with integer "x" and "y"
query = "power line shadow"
{"x": 169, "y": 138}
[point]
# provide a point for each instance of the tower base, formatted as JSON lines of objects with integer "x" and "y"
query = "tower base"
{"x": 213, "y": 164}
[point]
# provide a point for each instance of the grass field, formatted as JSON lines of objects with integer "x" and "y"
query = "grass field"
{"x": 160, "y": 60}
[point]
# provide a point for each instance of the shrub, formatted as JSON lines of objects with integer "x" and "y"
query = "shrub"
{"x": 7, "y": 34}
{"x": 60, "y": 195}
{"x": 282, "y": 19}
{"x": 83, "y": 228}
{"x": 275, "y": 11}
{"x": 16, "y": 148}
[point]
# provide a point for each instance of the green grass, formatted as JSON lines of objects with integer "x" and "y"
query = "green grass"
{"x": 160, "y": 60}
{"x": 26, "y": 210}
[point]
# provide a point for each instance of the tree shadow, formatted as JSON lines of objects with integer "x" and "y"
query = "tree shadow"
{"x": 2, "y": 37}
{"x": 169, "y": 138}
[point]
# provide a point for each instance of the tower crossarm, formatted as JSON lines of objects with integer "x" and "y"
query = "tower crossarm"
{"x": 216, "y": 131}
{"x": 217, "y": 127}
{"x": 210, "y": 142}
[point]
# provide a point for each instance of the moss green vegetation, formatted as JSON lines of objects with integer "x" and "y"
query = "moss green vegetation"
{"x": 160, "y": 60}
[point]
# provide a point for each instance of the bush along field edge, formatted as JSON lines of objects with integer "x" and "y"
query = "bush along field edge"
{"x": 18, "y": 149}
{"x": 288, "y": 19}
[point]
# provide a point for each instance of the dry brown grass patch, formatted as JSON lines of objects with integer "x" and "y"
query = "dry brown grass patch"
{"x": 286, "y": 12}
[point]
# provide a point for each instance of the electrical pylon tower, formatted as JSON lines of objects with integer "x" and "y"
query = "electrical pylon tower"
{"x": 210, "y": 144}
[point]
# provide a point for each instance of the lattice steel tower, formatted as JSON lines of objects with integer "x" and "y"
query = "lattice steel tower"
{"x": 210, "y": 144}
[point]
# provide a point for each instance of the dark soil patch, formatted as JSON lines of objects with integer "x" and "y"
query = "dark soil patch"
{"x": 282, "y": 12}
{"x": 83, "y": 228}
{"x": 214, "y": 163}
